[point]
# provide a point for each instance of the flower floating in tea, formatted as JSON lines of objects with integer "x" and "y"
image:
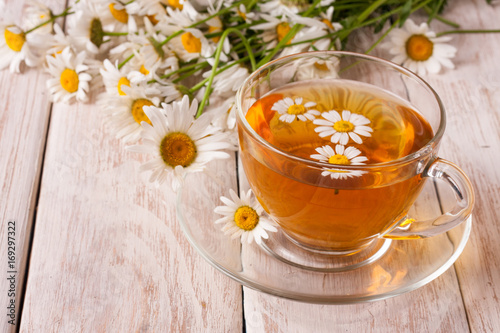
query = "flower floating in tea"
{"x": 343, "y": 126}
{"x": 178, "y": 143}
{"x": 340, "y": 156}
{"x": 418, "y": 49}
{"x": 243, "y": 217}
{"x": 294, "y": 109}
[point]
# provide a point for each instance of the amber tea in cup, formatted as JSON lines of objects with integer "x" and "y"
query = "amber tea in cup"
{"x": 338, "y": 158}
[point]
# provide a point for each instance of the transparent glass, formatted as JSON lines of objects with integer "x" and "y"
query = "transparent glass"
{"x": 345, "y": 214}
{"x": 415, "y": 246}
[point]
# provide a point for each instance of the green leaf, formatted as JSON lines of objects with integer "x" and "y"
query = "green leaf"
{"x": 405, "y": 12}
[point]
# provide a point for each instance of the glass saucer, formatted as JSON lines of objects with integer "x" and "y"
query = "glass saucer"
{"x": 396, "y": 266}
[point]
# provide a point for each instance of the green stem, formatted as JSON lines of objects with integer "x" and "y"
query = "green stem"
{"x": 467, "y": 32}
{"x": 434, "y": 12}
{"x": 125, "y": 61}
{"x": 442, "y": 19}
{"x": 218, "y": 52}
{"x": 198, "y": 66}
{"x": 105, "y": 33}
{"x": 66, "y": 12}
{"x": 172, "y": 36}
{"x": 367, "y": 12}
{"x": 382, "y": 37}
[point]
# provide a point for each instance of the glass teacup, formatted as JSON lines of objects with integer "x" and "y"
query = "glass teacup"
{"x": 337, "y": 146}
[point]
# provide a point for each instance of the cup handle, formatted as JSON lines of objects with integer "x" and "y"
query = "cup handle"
{"x": 464, "y": 194}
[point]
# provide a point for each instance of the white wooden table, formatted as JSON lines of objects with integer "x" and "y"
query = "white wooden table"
{"x": 97, "y": 250}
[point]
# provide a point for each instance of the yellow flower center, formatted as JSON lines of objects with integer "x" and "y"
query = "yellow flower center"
{"x": 339, "y": 159}
{"x": 14, "y": 41}
{"x": 178, "y": 149}
{"x": 321, "y": 66}
{"x": 152, "y": 19}
{"x": 69, "y": 80}
{"x": 242, "y": 14}
{"x": 138, "y": 112}
{"x": 328, "y": 23}
{"x": 122, "y": 81}
{"x": 120, "y": 15}
{"x": 419, "y": 47}
{"x": 143, "y": 70}
{"x": 282, "y": 30}
{"x": 191, "y": 43}
{"x": 214, "y": 29}
{"x": 246, "y": 218}
{"x": 343, "y": 126}
{"x": 175, "y": 4}
{"x": 296, "y": 109}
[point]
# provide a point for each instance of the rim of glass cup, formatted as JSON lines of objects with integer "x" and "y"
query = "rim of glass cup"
{"x": 405, "y": 159}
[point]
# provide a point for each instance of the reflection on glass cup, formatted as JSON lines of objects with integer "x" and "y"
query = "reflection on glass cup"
{"x": 337, "y": 146}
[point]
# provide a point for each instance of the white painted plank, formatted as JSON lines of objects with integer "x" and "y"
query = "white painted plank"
{"x": 23, "y": 126}
{"x": 108, "y": 253}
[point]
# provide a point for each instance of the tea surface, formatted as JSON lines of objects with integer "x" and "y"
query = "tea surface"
{"x": 339, "y": 123}
{"x": 396, "y": 129}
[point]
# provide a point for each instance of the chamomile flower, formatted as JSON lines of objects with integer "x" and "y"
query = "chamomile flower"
{"x": 178, "y": 143}
{"x": 276, "y": 29}
{"x": 243, "y": 217}
{"x": 86, "y": 29}
{"x": 294, "y": 109}
{"x": 125, "y": 112}
{"x": 317, "y": 68}
{"x": 343, "y": 126}
{"x": 70, "y": 80}
{"x": 340, "y": 156}
{"x": 113, "y": 78}
{"x": 242, "y": 12}
{"x": 418, "y": 49}
{"x": 144, "y": 7}
{"x": 36, "y": 14}
{"x": 191, "y": 44}
{"x": 115, "y": 18}
{"x": 16, "y": 47}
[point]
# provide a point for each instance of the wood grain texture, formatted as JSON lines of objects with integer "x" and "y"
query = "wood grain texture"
{"x": 108, "y": 254}
{"x": 471, "y": 95}
{"x": 23, "y": 126}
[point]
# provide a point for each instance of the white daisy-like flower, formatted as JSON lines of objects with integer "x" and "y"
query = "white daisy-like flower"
{"x": 341, "y": 127}
{"x": 144, "y": 7}
{"x": 317, "y": 68}
{"x": 178, "y": 143}
{"x": 275, "y": 29}
{"x": 37, "y": 13}
{"x": 53, "y": 43}
{"x": 418, "y": 49}
{"x": 70, "y": 80}
{"x": 182, "y": 13}
{"x": 243, "y": 217}
{"x": 116, "y": 18}
{"x": 294, "y": 109}
{"x": 86, "y": 29}
{"x": 125, "y": 112}
{"x": 191, "y": 44}
{"x": 16, "y": 47}
{"x": 113, "y": 78}
{"x": 242, "y": 12}
{"x": 340, "y": 156}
